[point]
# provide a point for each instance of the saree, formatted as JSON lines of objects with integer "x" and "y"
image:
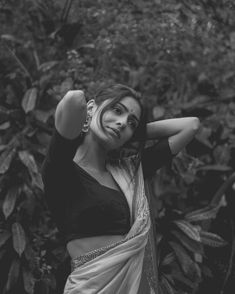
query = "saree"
{"x": 119, "y": 268}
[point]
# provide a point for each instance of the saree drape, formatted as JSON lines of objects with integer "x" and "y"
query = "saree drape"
{"x": 119, "y": 269}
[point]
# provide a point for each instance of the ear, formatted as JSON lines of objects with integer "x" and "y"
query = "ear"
{"x": 91, "y": 107}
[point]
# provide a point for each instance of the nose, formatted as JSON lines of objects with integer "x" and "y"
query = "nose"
{"x": 122, "y": 122}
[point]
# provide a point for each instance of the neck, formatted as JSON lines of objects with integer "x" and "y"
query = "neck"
{"x": 91, "y": 154}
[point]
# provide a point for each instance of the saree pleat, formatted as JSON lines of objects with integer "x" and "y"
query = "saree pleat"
{"x": 119, "y": 269}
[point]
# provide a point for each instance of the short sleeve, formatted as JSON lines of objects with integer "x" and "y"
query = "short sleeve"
{"x": 156, "y": 156}
{"x": 60, "y": 152}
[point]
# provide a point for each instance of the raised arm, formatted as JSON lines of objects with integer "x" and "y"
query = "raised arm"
{"x": 70, "y": 114}
{"x": 180, "y": 131}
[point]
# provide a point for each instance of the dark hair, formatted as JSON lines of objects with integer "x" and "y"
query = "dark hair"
{"x": 117, "y": 92}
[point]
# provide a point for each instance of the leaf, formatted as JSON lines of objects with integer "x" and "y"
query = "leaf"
{"x": 215, "y": 167}
{"x": 13, "y": 274}
{"x": 212, "y": 239}
{"x": 37, "y": 181}
{"x": 188, "y": 229}
{"x": 4, "y": 237}
{"x": 198, "y": 257}
{"x": 66, "y": 85}
{"x": 31, "y": 257}
{"x": 6, "y": 159}
{"x": 29, "y": 162}
{"x": 47, "y": 65}
{"x": 9, "y": 201}
{"x": 11, "y": 38}
{"x": 2, "y": 147}
{"x": 168, "y": 259}
{"x": 43, "y": 116}
{"x": 19, "y": 240}
{"x": 207, "y": 271}
{"x": 180, "y": 277}
{"x": 6, "y": 125}
{"x": 29, "y": 100}
{"x": 202, "y": 214}
{"x": 158, "y": 112}
{"x": 166, "y": 286}
{"x": 29, "y": 281}
{"x": 187, "y": 242}
{"x": 183, "y": 257}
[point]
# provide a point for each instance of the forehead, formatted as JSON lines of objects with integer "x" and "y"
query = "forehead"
{"x": 132, "y": 105}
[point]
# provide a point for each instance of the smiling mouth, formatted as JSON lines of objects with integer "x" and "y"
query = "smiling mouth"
{"x": 116, "y": 132}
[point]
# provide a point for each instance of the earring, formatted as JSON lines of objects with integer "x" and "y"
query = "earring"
{"x": 86, "y": 125}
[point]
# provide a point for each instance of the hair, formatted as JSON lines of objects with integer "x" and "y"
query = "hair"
{"x": 117, "y": 92}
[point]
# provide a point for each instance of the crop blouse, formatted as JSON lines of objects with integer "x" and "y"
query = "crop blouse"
{"x": 79, "y": 204}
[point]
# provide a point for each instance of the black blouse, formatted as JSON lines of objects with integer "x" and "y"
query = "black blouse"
{"x": 80, "y": 205}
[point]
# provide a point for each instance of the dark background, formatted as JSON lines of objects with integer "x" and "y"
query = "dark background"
{"x": 181, "y": 57}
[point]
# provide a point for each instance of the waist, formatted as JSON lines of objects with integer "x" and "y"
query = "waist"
{"x": 82, "y": 246}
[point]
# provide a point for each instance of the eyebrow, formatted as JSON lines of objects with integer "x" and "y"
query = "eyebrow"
{"x": 124, "y": 106}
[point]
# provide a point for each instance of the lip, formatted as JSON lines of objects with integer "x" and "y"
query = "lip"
{"x": 117, "y": 133}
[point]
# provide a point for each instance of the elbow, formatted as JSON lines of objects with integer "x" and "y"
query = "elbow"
{"x": 76, "y": 97}
{"x": 195, "y": 124}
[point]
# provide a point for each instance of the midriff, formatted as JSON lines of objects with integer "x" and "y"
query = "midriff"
{"x": 82, "y": 246}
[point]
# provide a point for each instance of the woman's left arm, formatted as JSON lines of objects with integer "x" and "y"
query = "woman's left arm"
{"x": 180, "y": 131}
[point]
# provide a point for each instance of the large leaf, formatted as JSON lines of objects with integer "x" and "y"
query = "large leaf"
{"x": 29, "y": 281}
{"x": 29, "y": 100}
{"x": 13, "y": 274}
{"x": 6, "y": 159}
{"x": 4, "y": 236}
{"x": 202, "y": 214}
{"x": 19, "y": 240}
{"x": 187, "y": 242}
{"x": 29, "y": 162}
{"x": 212, "y": 239}
{"x": 9, "y": 201}
{"x": 188, "y": 229}
{"x": 185, "y": 261}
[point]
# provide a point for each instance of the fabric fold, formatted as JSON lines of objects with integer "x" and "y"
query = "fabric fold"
{"x": 119, "y": 269}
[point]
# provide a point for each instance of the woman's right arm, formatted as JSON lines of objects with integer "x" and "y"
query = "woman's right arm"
{"x": 71, "y": 114}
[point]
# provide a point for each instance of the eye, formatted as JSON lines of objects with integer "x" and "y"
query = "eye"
{"x": 117, "y": 109}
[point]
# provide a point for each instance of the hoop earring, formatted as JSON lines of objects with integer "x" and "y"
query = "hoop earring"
{"x": 86, "y": 125}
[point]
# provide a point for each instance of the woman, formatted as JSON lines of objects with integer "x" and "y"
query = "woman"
{"x": 96, "y": 192}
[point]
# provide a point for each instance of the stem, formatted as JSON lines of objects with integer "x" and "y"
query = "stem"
{"x": 19, "y": 62}
{"x": 230, "y": 262}
{"x": 65, "y": 11}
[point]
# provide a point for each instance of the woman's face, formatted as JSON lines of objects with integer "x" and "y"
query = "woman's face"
{"x": 119, "y": 122}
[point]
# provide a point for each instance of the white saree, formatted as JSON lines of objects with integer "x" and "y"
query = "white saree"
{"x": 119, "y": 269}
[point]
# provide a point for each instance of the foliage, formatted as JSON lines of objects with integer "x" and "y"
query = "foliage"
{"x": 181, "y": 239}
{"x": 179, "y": 54}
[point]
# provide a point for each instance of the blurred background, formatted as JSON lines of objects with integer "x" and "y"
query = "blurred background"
{"x": 181, "y": 56}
